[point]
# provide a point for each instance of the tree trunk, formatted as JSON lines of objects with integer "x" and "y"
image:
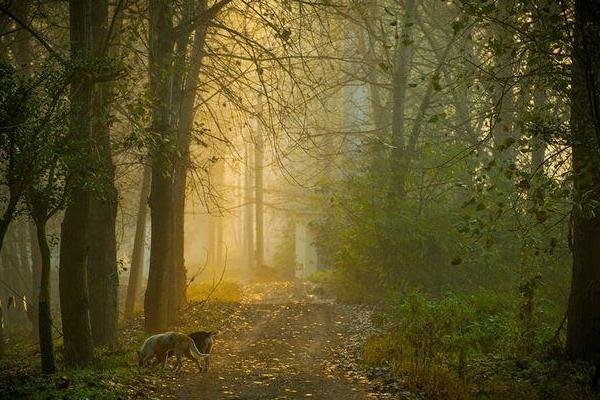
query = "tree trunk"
{"x": 44, "y": 315}
{"x": 539, "y": 146}
{"x": 36, "y": 276}
{"x": 259, "y": 189}
{"x": 21, "y": 275}
{"x": 25, "y": 261}
{"x": 139, "y": 245}
{"x": 161, "y": 261}
{"x": 379, "y": 114}
{"x": 103, "y": 279}
{"x": 2, "y": 344}
{"x": 74, "y": 306}
{"x": 502, "y": 91}
{"x": 187, "y": 99}
{"x": 249, "y": 207}
{"x": 403, "y": 60}
{"x": 161, "y": 192}
{"x": 583, "y": 329}
{"x": 9, "y": 214}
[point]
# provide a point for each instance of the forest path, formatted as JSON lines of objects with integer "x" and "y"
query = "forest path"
{"x": 280, "y": 345}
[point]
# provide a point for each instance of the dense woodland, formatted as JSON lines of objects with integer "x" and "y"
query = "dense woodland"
{"x": 444, "y": 157}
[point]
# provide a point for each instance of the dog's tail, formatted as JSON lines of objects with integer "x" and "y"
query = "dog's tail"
{"x": 195, "y": 352}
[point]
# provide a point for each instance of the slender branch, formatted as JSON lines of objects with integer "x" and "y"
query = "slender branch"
{"x": 33, "y": 32}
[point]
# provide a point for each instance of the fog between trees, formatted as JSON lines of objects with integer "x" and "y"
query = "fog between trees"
{"x": 438, "y": 160}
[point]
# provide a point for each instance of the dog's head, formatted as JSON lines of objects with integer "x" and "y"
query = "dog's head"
{"x": 200, "y": 335}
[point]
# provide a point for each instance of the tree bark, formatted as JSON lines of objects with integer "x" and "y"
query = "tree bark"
{"x": 78, "y": 349}
{"x": 44, "y": 315}
{"x": 36, "y": 276}
{"x": 161, "y": 193}
{"x": 503, "y": 123}
{"x": 539, "y": 146}
{"x": 403, "y": 60}
{"x": 187, "y": 100}
{"x": 258, "y": 188}
{"x": 583, "y": 328}
{"x": 21, "y": 275}
{"x": 103, "y": 279}
{"x": 379, "y": 115}
{"x": 9, "y": 214}
{"x": 249, "y": 207}
{"x": 139, "y": 244}
{"x": 2, "y": 343}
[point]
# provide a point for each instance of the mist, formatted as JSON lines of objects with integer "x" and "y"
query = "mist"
{"x": 335, "y": 199}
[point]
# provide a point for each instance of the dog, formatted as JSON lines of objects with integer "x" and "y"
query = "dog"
{"x": 161, "y": 345}
{"x": 204, "y": 342}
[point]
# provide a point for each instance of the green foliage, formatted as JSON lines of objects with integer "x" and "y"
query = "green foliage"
{"x": 471, "y": 346}
{"x": 468, "y": 268}
{"x": 111, "y": 377}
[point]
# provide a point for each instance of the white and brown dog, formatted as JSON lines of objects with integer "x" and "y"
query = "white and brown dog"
{"x": 162, "y": 345}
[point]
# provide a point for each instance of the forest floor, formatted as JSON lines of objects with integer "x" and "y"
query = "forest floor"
{"x": 278, "y": 340}
{"x": 284, "y": 342}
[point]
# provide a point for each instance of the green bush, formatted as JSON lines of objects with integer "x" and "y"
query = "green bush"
{"x": 471, "y": 346}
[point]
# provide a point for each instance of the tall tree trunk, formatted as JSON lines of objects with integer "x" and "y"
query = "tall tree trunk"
{"x": 239, "y": 216}
{"x": 72, "y": 273}
{"x": 44, "y": 315}
{"x": 539, "y": 146}
{"x": 503, "y": 123}
{"x": 583, "y": 329}
{"x": 25, "y": 261}
{"x": 139, "y": 244}
{"x": 403, "y": 60}
{"x": 2, "y": 343}
{"x": 259, "y": 189}
{"x": 187, "y": 100}
{"x": 22, "y": 274}
{"x": 36, "y": 275}
{"x": 249, "y": 207}
{"x": 161, "y": 192}
{"x": 103, "y": 279}
{"x": 379, "y": 115}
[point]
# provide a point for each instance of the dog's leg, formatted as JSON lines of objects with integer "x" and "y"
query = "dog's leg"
{"x": 177, "y": 361}
{"x": 198, "y": 365}
{"x": 189, "y": 355}
{"x": 206, "y": 363}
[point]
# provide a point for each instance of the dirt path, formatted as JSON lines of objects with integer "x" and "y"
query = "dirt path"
{"x": 280, "y": 346}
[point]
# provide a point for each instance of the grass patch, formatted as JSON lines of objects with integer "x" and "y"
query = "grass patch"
{"x": 227, "y": 292}
{"x": 113, "y": 375}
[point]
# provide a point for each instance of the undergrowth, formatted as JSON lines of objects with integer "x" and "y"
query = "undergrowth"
{"x": 477, "y": 346}
{"x": 114, "y": 374}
